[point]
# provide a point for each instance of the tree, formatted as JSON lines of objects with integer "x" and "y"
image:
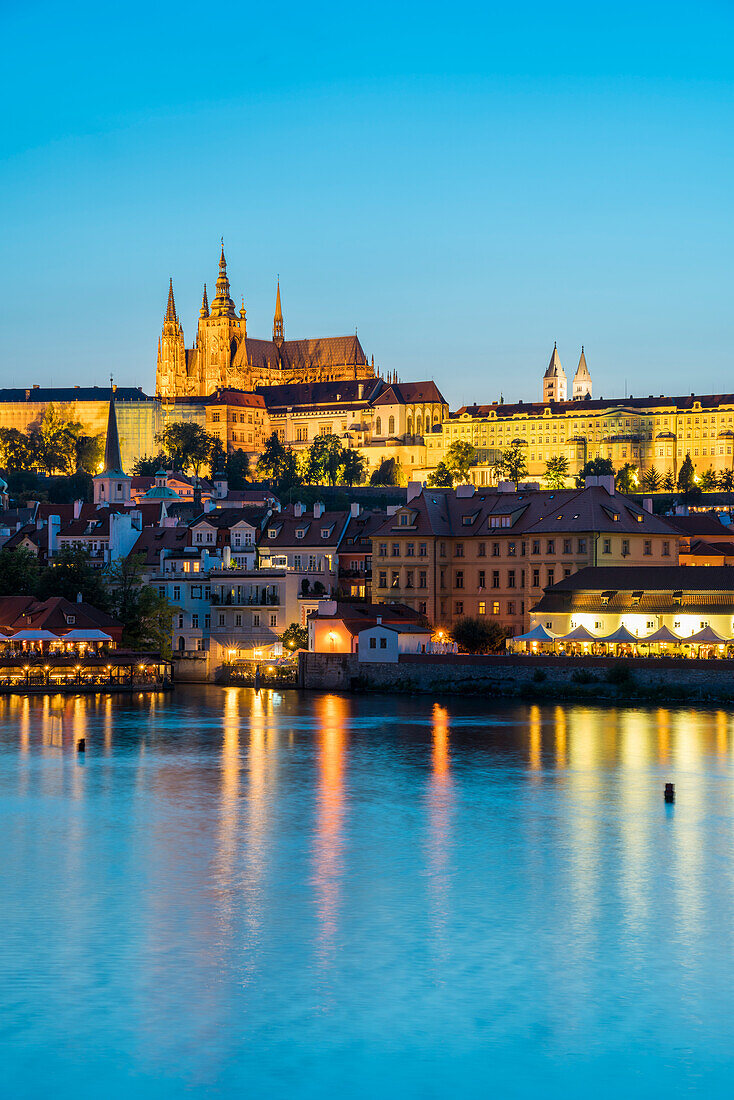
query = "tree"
{"x": 479, "y": 635}
{"x": 626, "y": 479}
{"x": 14, "y": 449}
{"x": 146, "y": 616}
{"x": 513, "y": 462}
{"x": 295, "y": 637}
{"x": 556, "y": 472}
{"x": 595, "y": 467}
{"x": 709, "y": 480}
{"x": 217, "y": 455}
{"x": 441, "y": 477}
{"x": 55, "y": 442}
{"x": 325, "y": 458}
{"x": 88, "y": 453}
{"x": 71, "y": 572}
{"x": 669, "y": 482}
{"x": 187, "y": 445}
{"x": 686, "y": 475}
{"x": 389, "y": 472}
{"x": 726, "y": 481}
{"x": 651, "y": 480}
{"x": 279, "y": 464}
{"x": 460, "y": 456}
{"x": 149, "y": 465}
{"x": 18, "y": 572}
{"x": 354, "y": 467}
{"x": 238, "y": 469}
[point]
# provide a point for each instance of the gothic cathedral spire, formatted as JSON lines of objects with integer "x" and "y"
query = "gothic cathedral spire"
{"x": 222, "y": 304}
{"x": 278, "y": 319}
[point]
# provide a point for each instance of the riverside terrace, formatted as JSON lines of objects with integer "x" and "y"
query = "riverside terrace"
{"x": 21, "y": 673}
{"x": 684, "y": 611}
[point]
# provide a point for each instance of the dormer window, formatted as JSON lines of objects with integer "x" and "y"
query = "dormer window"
{"x": 404, "y": 517}
{"x": 300, "y": 533}
{"x": 325, "y": 531}
{"x": 272, "y": 533}
{"x": 70, "y": 619}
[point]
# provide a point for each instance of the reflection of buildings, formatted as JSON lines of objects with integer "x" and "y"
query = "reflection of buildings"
{"x": 331, "y": 711}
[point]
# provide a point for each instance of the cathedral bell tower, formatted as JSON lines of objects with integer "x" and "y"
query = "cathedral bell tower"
{"x": 112, "y": 484}
{"x": 219, "y": 335}
{"x": 170, "y": 375}
{"x": 278, "y": 320}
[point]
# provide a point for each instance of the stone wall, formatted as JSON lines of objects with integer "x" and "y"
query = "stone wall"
{"x": 524, "y": 677}
{"x": 192, "y": 668}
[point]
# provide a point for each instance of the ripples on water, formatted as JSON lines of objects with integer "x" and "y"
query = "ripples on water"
{"x": 360, "y": 896}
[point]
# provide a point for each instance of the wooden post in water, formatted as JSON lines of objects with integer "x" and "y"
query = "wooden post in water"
{"x": 669, "y": 795}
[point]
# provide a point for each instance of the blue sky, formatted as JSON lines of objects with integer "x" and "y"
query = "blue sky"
{"x": 464, "y": 184}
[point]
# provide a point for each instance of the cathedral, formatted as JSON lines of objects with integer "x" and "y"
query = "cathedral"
{"x": 224, "y": 355}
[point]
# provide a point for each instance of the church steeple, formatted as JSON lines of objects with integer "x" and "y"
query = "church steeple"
{"x": 555, "y": 382}
{"x": 204, "y": 311}
{"x": 112, "y": 485}
{"x": 278, "y": 319}
{"x": 582, "y": 379}
{"x": 222, "y": 304}
{"x": 170, "y": 317}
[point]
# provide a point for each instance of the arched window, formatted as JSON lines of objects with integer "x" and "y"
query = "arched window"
{"x": 418, "y": 423}
{"x": 391, "y": 426}
{"x": 378, "y": 426}
{"x": 409, "y": 423}
{"x": 181, "y": 644}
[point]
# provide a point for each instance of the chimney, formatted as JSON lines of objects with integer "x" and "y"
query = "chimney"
{"x": 78, "y": 508}
{"x": 79, "y": 597}
{"x": 379, "y": 620}
{"x": 298, "y": 509}
{"x": 318, "y": 509}
{"x": 54, "y": 526}
{"x": 467, "y": 490}
{"x": 647, "y": 504}
{"x": 415, "y": 488}
{"x": 226, "y": 557}
{"x": 354, "y": 509}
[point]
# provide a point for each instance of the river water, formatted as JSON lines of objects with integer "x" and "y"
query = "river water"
{"x": 314, "y": 895}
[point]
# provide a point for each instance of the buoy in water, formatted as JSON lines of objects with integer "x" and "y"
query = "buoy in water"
{"x": 81, "y": 745}
{"x": 669, "y": 795}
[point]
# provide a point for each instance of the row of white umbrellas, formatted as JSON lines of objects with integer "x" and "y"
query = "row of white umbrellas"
{"x": 706, "y": 636}
{"x": 91, "y": 635}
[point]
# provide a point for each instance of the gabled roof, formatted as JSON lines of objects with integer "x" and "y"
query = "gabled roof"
{"x": 154, "y": 539}
{"x": 27, "y": 613}
{"x": 231, "y": 517}
{"x": 410, "y": 393}
{"x": 286, "y": 524}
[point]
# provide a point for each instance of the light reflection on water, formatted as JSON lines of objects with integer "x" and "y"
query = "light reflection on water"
{"x": 235, "y": 892}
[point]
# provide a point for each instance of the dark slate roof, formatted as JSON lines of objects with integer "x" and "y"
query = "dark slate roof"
{"x": 583, "y": 407}
{"x": 73, "y": 393}
{"x": 700, "y": 524}
{"x": 330, "y": 351}
{"x": 655, "y": 578}
{"x": 321, "y": 393}
{"x": 408, "y": 393}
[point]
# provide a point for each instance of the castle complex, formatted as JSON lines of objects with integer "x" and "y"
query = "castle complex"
{"x": 224, "y": 355}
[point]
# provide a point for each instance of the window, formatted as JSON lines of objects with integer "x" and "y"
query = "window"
{"x": 382, "y": 579}
{"x": 383, "y": 643}
{"x": 195, "y": 621}
{"x": 482, "y": 607}
{"x": 382, "y": 550}
{"x": 396, "y": 549}
{"x": 207, "y": 622}
{"x": 536, "y": 546}
{"x": 423, "y": 550}
{"x": 395, "y": 578}
{"x": 581, "y": 546}
{"x": 666, "y": 549}
{"x": 459, "y": 550}
{"x": 215, "y": 418}
{"x": 300, "y": 533}
{"x": 510, "y": 578}
{"x": 567, "y": 546}
{"x": 482, "y": 550}
{"x": 607, "y": 546}
{"x": 162, "y": 591}
{"x": 511, "y": 549}
{"x": 238, "y": 620}
{"x": 495, "y": 607}
{"x": 256, "y": 619}
{"x": 482, "y": 578}
{"x": 273, "y": 620}
{"x": 495, "y": 578}
{"x": 551, "y": 546}
{"x": 180, "y": 622}
{"x": 647, "y": 547}
{"x": 373, "y": 643}
{"x": 409, "y": 578}
{"x": 459, "y": 578}
{"x": 423, "y": 579}
{"x": 442, "y": 549}
{"x": 551, "y": 576}
{"x": 391, "y": 426}
{"x": 625, "y": 548}
{"x": 177, "y": 591}
{"x": 511, "y": 607}
{"x": 195, "y": 591}
{"x": 422, "y": 607}
{"x": 404, "y": 517}
{"x": 221, "y": 620}
{"x": 410, "y": 550}
{"x": 459, "y": 607}
{"x": 536, "y": 578}
{"x": 495, "y": 549}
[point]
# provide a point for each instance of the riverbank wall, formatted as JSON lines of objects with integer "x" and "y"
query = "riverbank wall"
{"x": 592, "y": 678}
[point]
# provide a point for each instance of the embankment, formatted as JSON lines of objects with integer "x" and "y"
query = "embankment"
{"x": 662, "y": 680}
